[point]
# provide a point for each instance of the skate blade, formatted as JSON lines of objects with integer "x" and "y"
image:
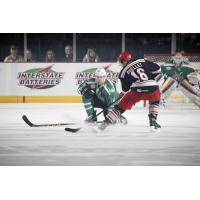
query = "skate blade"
{"x": 152, "y": 129}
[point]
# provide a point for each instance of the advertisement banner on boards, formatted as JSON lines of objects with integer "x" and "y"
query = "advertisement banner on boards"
{"x": 49, "y": 79}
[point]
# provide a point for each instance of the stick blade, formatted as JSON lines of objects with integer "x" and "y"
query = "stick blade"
{"x": 24, "y": 117}
{"x": 73, "y": 130}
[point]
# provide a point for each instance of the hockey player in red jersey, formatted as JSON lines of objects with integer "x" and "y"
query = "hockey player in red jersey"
{"x": 138, "y": 83}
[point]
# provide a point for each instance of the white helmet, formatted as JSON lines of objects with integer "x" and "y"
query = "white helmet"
{"x": 100, "y": 72}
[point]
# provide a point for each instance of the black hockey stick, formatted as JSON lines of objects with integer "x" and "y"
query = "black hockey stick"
{"x": 74, "y": 130}
{"x": 24, "y": 117}
{"x": 105, "y": 108}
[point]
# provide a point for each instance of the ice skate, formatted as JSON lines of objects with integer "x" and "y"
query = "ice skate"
{"x": 104, "y": 125}
{"x": 124, "y": 121}
{"x": 153, "y": 123}
{"x": 92, "y": 119}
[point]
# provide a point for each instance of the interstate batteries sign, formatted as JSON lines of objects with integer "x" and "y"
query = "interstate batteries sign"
{"x": 90, "y": 73}
{"x": 40, "y": 78}
{"x": 48, "y": 79}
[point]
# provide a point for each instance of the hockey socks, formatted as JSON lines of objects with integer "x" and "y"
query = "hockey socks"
{"x": 113, "y": 117}
{"x": 153, "y": 113}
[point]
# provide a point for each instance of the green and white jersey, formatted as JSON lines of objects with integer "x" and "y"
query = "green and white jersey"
{"x": 171, "y": 71}
{"x": 182, "y": 61}
{"x": 106, "y": 93}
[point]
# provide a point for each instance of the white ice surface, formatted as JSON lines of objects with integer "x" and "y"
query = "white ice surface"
{"x": 177, "y": 144}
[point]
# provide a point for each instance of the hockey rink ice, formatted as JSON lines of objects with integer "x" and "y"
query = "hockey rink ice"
{"x": 178, "y": 143}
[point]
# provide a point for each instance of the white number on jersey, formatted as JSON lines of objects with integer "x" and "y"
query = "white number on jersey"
{"x": 140, "y": 75}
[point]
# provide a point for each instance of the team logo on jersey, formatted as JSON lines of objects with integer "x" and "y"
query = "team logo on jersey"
{"x": 40, "y": 78}
{"x": 90, "y": 73}
{"x": 168, "y": 68}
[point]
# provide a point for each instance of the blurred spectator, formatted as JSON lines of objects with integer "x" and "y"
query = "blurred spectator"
{"x": 68, "y": 54}
{"x": 29, "y": 56}
{"x": 91, "y": 56}
{"x": 183, "y": 53}
{"x": 50, "y": 56}
{"x": 14, "y": 56}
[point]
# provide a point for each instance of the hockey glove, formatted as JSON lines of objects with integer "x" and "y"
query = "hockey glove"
{"x": 87, "y": 92}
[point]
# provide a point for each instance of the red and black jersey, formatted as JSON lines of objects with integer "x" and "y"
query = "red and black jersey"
{"x": 138, "y": 75}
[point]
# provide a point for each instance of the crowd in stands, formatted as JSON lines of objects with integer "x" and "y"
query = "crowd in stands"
{"x": 14, "y": 56}
{"x": 90, "y": 56}
{"x": 91, "y": 47}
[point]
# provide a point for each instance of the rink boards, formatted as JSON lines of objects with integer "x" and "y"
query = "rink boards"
{"x": 53, "y": 82}
{"x": 47, "y": 82}
{"x": 40, "y": 99}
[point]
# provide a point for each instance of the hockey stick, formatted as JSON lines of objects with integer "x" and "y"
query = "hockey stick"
{"x": 25, "y": 118}
{"x": 105, "y": 108}
{"x": 74, "y": 130}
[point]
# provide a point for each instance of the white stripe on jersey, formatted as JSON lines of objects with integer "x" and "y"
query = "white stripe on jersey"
{"x": 157, "y": 71}
{"x": 89, "y": 108}
{"x": 130, "y": 65}
{"x": 106, "y": 89}
{"x": 111, "y": 83}
{"x": 89, "y": 103}
{"x": 144, "y": 83}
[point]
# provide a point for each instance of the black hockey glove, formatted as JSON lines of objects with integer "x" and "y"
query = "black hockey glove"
{"x": 87, "y": 92}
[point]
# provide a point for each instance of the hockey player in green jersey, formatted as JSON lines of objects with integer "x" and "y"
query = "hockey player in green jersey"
{"x": 177, "y": 70}
{"x": 98, "y": 92}
{"x": 177, "y": 73}
{"x": 178, "y": 60}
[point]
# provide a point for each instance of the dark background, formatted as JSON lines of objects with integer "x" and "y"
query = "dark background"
{"x": 107, "y": 45}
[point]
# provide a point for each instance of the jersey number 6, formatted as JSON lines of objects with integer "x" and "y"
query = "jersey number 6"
{"x": 140, "y": 74}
